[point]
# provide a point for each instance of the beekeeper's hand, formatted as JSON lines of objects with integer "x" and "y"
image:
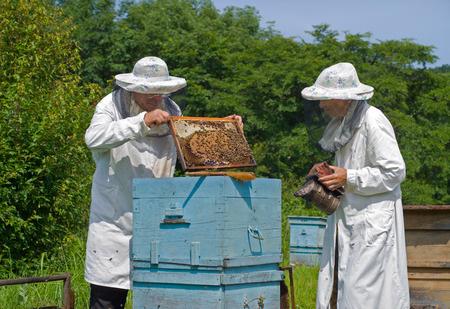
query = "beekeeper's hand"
{"x": 237, "y": 118}
{"x": 336, "y": 180}
{"x": 156, "y": 117}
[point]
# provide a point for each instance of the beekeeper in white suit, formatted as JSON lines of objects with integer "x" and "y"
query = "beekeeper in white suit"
{"x": 129, "y": 138}
{"x": 363, "y": 262}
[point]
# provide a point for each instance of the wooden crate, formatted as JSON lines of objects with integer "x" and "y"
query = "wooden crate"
{"x": 206, "y": 242}
{"x": 427, "y": 231}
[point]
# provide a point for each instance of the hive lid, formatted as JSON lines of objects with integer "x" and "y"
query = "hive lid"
{"x": 210, "y": 143}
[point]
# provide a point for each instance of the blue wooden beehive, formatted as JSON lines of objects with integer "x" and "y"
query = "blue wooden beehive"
{"x": 206, "y": 242}
{"x": 306, "y": 239}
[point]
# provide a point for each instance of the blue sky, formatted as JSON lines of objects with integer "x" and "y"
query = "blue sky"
{"x": 427, "y": 22}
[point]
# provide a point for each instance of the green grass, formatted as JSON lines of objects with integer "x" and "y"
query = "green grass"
{"x": 70, "y": 259}
{"x": 305, "y": 286}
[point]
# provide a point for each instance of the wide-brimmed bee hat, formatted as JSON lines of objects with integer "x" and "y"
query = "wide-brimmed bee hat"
{"x": 150, "y": 75}
{"x": 341, "y": 82}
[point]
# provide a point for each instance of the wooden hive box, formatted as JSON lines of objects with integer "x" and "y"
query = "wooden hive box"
{"x": 206, "y": 242}
{"x": 306, "y": 239}
{"x": 427, "y": 236}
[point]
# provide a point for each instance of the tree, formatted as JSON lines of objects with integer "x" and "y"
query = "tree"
{"x": 442, "y": 69}
{"x": 233, "y": 65}
{"x": 94, "y": 21}
{"x": 45, "y": 109}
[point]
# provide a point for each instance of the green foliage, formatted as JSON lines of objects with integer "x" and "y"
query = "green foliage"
{"x": 232, "y": 65}
{"x": 442, "y": 69}
{"x": 44, "y": 112}
{"x": 94, "y": 21}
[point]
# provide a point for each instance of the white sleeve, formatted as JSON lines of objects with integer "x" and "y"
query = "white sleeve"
{"x": 106, "y": 131}
{"x": 387, "y": 168}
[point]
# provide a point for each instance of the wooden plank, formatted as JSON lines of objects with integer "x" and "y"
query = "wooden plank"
{"x": 427, "y": 255}
{"x": 425, "y": 273}
{"x": 165, "y": 296}
{"x": 187, "y": 188}
{"x": 244, "y": 176}
{"x": 426, "y": 207}
{"x": 428, "y": 238}
{"x": 251, "y": 277}
{"x": 429, "y": 264}
{"x": 178, "y": 264}
{"x": 416, "y": 306}
{"x": 427, "y": 217}
{"x": 188, "y": 278}
{"x": 193, "y": 277}
{"x": 430, "y": 292}
{"x": 210, "y": 264}
{"x": 253, "y": 260}
{"x": 427, "y": 220}
{"x": 201, "y": 118}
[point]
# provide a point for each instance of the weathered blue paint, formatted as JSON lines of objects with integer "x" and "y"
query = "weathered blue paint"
{"x": 171, "y": 296}
{"x": 306, "y": 239}
{"x": 206, "y": 242}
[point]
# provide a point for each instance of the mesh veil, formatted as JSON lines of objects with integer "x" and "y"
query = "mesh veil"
{"x": 122, "y": 99}
{"x": 330, "y": 134}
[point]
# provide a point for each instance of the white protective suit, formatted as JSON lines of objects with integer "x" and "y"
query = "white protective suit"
{"x": 372, "y": 271}
{"x": 122, "y": 150}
